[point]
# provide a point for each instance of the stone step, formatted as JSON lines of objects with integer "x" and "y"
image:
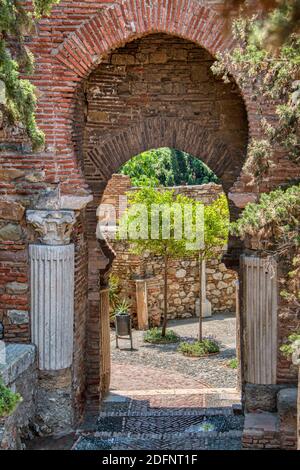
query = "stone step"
{"x": 204, "y": 440}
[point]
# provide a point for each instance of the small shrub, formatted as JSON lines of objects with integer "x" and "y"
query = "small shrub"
{"x": 199, "y": 348}
{"x": 154, "y": 336}
{"x": 8, "y": 400}
{"x": 233, "y": 363}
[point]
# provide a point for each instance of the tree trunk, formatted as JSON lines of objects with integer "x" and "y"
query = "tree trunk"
{"x": 164, "y": 326}
{"x": 200, "y": 299}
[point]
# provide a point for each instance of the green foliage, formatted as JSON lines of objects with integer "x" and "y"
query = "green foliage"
{"x": 122, "y": 307}
{"x": 272, "y": 77}
{"x": 279, "y": 19}
{"x": 216, "y": 223}
{"x": 275, "y": 223}
{"x": 20, "y": 94}
{"x": 275, "y": 218}
{"x": 216, "y": 227}
{"x": 167, "y": 167}
{"x": 135, "y": 216}
{"x": 199, "y": 348}
{"x": 114, "y": 289}
{"x": 293, "y": 342}
{"x": 154, "y": 335}
{"x": 8, "y": 400}
{"x": 43, "y": 7}
{"x": 233, "y": 363}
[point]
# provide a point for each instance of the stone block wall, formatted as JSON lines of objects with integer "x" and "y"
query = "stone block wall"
{"x": 183, "y": 274}
{"x": 19, "y": 372}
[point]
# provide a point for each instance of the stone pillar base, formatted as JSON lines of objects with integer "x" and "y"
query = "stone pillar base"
{"x": 142, "y": 304}
{"x": 206, "y": 308}
{"x": 54, "y": 403}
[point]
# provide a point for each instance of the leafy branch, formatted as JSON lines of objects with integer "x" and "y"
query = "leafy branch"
{"x": 273, "y": 78}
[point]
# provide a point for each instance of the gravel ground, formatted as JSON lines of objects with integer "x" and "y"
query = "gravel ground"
{"x": 164, "y": 359}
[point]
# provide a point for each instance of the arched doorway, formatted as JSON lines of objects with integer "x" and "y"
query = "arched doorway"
{"x": 157, "y": 91}
{"x": 88, "y": 140}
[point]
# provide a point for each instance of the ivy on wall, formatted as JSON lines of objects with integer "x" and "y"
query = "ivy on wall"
{"x": 18, "y": 94}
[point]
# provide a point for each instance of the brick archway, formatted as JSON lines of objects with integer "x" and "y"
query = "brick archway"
{"x": 112, "y": 27}
{"x": 107, "y": 156}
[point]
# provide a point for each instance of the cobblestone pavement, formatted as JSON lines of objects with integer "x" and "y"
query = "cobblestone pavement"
{"x": 161, "y": 366}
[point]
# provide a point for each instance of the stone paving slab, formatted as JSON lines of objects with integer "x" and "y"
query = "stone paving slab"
{"x": 15, "y": 359}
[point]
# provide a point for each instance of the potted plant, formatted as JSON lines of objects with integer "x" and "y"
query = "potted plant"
{"x": 123, "y": 318}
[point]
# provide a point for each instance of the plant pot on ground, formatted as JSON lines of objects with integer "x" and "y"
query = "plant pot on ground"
{"x": 198, "y": 348}
{"x": 154, "y": 335}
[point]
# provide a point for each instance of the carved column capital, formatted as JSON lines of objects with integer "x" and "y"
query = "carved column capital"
{"x": 53, "y": 226}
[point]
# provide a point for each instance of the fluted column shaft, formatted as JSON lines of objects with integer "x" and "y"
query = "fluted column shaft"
{"x": 52, "y": 304}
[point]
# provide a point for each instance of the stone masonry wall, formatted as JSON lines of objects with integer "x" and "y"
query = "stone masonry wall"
{"x": 19, "y": 373}
{"x": 183, "y": 274}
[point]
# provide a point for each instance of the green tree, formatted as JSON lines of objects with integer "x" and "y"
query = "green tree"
{"x": 167, "y": 167}
{"x": 151, "y": 224}
{"x": 19, "y": 101}
{"x": 199, "y": 224}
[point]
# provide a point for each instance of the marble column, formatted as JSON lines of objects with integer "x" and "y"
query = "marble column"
{"x": 52, "y": 287}
{"x": 142, "y": 304}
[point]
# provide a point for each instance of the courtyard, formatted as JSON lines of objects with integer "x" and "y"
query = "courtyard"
{"x": 160, "y": 366}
